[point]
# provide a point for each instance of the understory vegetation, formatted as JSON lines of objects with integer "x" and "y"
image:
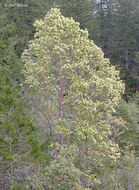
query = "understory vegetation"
{"x": 69, "y": 95}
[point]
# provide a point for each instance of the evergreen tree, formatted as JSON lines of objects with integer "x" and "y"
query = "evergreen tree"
{"x": 118, "y": 21}
{"x": 126, "y": 34}
{"x": 77, "y": 84}
{"x": 74, "y": 108}
{"x": 16, "y": 127}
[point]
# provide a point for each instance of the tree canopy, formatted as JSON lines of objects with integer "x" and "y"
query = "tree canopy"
{"x": 78, "y": 85}
{"x": 68, "y": 111}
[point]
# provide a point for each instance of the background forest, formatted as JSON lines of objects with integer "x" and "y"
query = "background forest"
{"x": 35, "y": 155}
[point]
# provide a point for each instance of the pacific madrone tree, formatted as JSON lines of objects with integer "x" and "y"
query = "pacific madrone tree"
{"x": 79, "y": 86}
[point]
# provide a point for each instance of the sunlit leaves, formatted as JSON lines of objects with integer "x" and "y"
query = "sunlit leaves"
{"x": 81, "y": 85}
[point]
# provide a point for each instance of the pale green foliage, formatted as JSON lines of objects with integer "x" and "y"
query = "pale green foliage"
{"x": 61, "y": 174}
{"x": 78, "y": 83}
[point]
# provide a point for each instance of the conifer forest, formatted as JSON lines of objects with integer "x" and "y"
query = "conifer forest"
{"x": 69, "y": 94}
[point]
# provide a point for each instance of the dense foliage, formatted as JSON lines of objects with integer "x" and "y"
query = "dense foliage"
{"x": 63, "y": 124}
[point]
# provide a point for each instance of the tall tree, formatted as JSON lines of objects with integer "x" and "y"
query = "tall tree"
{"x": 126, "y": 34}
{"x": 118, "y": 21}
{"x": 77, "y": 84}
{"x": 17, "y": 129}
